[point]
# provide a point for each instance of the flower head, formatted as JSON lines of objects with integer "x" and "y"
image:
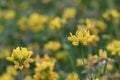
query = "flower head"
{"x": 72, "y": 76}
{"x": 56, "y": 23}
{"x": 102, "y": 53}
{"x": 114, "y": 47}
{"x": 21, "y": 58}
{"x": 52, "y": 45}
{"x": 45, "y": 69}
{"x": 82, "y": 36}
{"x": 69, "y": 13}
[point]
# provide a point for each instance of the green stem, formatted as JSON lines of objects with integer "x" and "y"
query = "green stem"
{"x": 72, "y": 62}
{"x": 20, "y": 76}
{"x": 83, "y": 54}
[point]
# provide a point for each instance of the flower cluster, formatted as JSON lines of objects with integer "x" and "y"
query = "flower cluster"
{"x": 82, "y": 36}
{"x": 112, "y": 15}
{"x": 7, "y": 14}
{"x": 44, "y": 69}
{"x": 72, "y": 76}
{"x": 56, "y": 23}
{"x": 35, "y": 22}
{"x": 95, "y": 26}
{"x": 114, "y": 47}
{"x": 21, "y": 58}
{"x": 9, "y": 74}
{"x": 52, "y": 45}
{"x": 69, "y": 13}
{"x": 101, "y": 59}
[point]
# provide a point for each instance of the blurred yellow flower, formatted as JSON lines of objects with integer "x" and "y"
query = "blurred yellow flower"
{"x": 28, "y": 78}
{"x": 81, "y": 62}
{"x": 109, "y": 67}
{"x": 96, "y": 79}
{"x": 9, "y": 14}
{"x": 111, "y": 15}
{"x": 114, "y": 47}
{"x": 5, "y": 53}
{"x": 9, "y": 74}
{"x": 11, "y": 70}
{"x": 72, "y": 76}
{"x": 21, "y": 58}
{"x": 117, "y": 74}
{"x": 44, "y": 69}
{"x": 102, "y": 53}
{"x": 22, "y": 22}
{"x": 95, "y": 26}
{"x": 56, "y": 23}
{"x": 69, "y": 13}
{"x": 52, "y": 45}
{"x": 101, "y": 25}
{"x": 6, "y": 76}
{"x": 93, "y": 58}
{"x": 35, "y": 22}
{"x": 61, "y": 54}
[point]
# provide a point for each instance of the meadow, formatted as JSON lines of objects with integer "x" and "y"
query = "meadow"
{"x": 59, "y": 39}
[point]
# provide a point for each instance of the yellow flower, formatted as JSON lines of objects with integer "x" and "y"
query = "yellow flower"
{"x": 33, "y": 46}
{"x": 93, "y": 58}
{"x": 45, "y": 63}
{"x": 102, "y": 53}
{"x": 81, "y": 62}
{"x": 115, "y": 13}
{"x": 117, "y": 74}
{"x": 109, "y": 67}
{"x": 11, "y": 71}
{"x": 111, "y": 15}
{"x": 95, "y": 26}
{"x": 9, "y": 74}
{"x": 69, "y": 13}
{"x": 56, "y": 23}
{"x": 35, "y": 22}
{"x": 106, "y": 15}
{"x": 101, "y": 25}
{"x": 9, "y": 14}
{"x": 54, "y": 76}
{"x": 82, "y": 36}
{"x": 72, "y": 76}
{"x": 44, "y": 69}
{"x": 114, "y": 47}
{"x": 6, "y": 76}
{"x": 22, "y": 23}
{"x": 74, "y": 39}
{"x": 96, "y": 79}
{"x": 52, "y": 45}
{"x": 61, "y": 54}
{"x": 21, "y": 58}
{"x": 28, "y": 78}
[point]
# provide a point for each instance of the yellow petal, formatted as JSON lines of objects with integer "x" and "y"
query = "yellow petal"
{"x": 27, "y": 65}
{"x": 21, "y": 67}
{"x": 10, "y": 59}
